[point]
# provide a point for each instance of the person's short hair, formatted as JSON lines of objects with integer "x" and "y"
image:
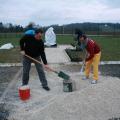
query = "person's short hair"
{"x": 38, "y": 31}
{"x": 80, "y": 34}
{"x": 84, "y": 36}
{"x": 78, "y": 31}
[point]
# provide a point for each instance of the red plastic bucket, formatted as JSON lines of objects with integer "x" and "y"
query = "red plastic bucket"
{"x": 24, "y": 92}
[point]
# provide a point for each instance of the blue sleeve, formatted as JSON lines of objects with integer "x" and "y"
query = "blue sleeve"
{"x": 30, "y": 32}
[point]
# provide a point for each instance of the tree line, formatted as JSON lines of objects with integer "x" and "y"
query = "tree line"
{"x": 87, "y": 27}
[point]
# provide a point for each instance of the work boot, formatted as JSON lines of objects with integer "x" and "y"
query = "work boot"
{"x": 94, "y": 82}
{"x": 85, "y": 78}
{"x": 46, "y": 88}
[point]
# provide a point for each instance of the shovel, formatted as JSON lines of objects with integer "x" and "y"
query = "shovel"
{"x": 60, "y": 73}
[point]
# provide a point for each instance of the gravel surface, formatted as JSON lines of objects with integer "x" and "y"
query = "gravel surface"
{"x": 110, "y": 70}
{"x": 8, "y": 73}
{"x": 6, "y": 76}
{"x": 105, "y": 70}
{"x": 96, "y": 102}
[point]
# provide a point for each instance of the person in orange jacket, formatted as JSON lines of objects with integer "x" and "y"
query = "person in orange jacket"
{"x": 93, "y": 56}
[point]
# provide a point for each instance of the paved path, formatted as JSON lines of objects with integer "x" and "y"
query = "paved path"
{"x": 57, "y": 55}
{"x": 93, "y": 102}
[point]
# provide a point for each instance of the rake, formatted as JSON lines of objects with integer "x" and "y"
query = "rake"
{"x": 60, "y": 73}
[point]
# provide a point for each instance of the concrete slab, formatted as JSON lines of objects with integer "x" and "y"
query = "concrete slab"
{"x": 57, "y": 55}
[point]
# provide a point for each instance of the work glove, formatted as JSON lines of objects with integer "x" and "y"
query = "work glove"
{"x": 22, "y": 52}
{"x": 48, "y": 68}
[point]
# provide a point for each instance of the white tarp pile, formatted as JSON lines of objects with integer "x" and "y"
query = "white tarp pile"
{"x": 50, "y": 37}
{"x": 7, "y": 46}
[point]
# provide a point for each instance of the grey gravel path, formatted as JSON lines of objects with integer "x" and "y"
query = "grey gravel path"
{"x": 96, "y": 102}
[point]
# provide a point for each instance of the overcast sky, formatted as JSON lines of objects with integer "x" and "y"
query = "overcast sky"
{"x": 47, "y": 12}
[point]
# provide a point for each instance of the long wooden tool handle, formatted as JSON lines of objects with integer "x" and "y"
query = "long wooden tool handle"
{"x": 33, "y": 59}
{"x": 40, "y": 63}
{"x": 83, "y": 63}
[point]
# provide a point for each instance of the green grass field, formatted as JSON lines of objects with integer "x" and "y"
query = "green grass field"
{"x": 110, "y": 46}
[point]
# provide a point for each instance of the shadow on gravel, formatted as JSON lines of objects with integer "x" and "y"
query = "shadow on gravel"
{"x": 4, "y": 113}
{"x": 6, "y": 76}
{"x": 110, "y": 70}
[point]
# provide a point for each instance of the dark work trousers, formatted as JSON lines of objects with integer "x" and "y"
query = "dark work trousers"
{"x": 26, "y": 69}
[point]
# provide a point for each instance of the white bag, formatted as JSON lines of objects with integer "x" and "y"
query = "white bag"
{"x": 50, "y": 37}
{"x": 7, "y": 46}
